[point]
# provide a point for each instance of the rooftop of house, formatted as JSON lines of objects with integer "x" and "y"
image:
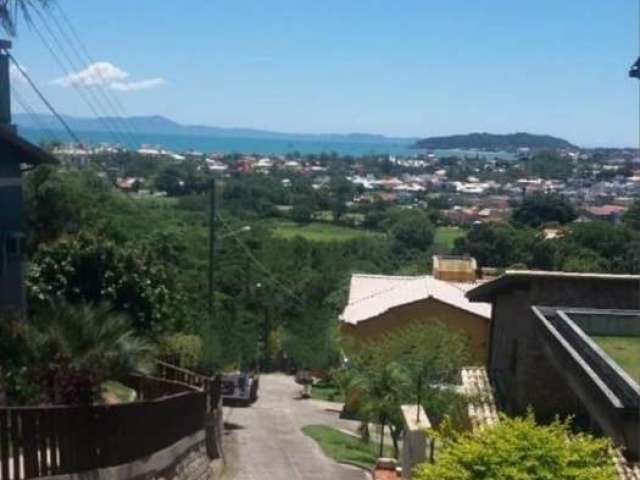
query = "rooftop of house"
{"x": 486, "y": 291}
{"x": 373, "y": 295}
{"x": 605, "y": 210}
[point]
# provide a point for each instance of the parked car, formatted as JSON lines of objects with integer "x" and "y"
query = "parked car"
{"x": 240, "y": 388}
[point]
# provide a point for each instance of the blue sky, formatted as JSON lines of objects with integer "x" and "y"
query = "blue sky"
{"x": 404, "y": 68}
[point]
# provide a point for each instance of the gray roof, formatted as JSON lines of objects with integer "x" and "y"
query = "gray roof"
{"x": 486, "y": 291}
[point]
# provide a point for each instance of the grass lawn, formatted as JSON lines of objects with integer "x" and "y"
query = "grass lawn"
{"x": 326, "y": 392}
{"x": 320, "y": 232}
{"x": 446, "y": 236}
{"x": 345, "y": 448}
{"x": 625, "y": 351}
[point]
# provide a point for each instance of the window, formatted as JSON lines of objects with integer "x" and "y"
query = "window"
{"x": 13, "y": 244}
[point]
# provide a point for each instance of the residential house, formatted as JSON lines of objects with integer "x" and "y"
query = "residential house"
{"x": 608, "y": 213}
{"x": 544, "y": 348}
{"x": 380, "y": 304}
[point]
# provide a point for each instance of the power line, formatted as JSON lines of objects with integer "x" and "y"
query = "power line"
{"x": 43, "y": 98}
{"x": 262, "y": 267}
{"x": 114, "y": 105}
{"x": 31, "y": 113}
{"x": 100, "y": 116}
{"x": 84, "y": 49}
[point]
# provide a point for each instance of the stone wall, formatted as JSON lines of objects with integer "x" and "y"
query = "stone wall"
{"x": 196, "y": 465}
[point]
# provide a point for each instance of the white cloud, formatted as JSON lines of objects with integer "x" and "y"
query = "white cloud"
{"x": 99, "y": 73}
{"x": 107, "y": 74}
{"x": 140, "y": 85}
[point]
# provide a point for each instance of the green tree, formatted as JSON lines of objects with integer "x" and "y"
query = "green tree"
{"x": 497, "y": 245}
{"x": 538, "y": 209}
{"x": 402, "y": 367}
{"x": 550, "y": 165}
{"x": 302, "y": 212}
{"x": 631, "y": 217}
{"x": 519, "y": 449}
{"x": 607, "y": 241}
{"x": 182, "y": 349}
{"x": 412, "y": 230}
{"x": 90, "y": 269}
{"x": 61, "y": 202}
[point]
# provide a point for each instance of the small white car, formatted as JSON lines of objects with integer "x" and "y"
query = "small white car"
{"x": 240, "y": 388}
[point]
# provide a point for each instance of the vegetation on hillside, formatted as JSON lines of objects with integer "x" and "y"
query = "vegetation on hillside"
{"x": 488, "y": 141}
{"x": 403, "y": 367}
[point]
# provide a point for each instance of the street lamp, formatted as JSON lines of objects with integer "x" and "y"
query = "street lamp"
{"x": 246, "y": 228}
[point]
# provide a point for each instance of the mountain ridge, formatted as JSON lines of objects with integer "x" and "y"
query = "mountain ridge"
{"x": 157, "y": 124}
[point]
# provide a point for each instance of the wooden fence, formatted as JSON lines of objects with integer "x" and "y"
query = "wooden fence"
{"x": 43, "y": 441}
{"x": 212, "y": 385}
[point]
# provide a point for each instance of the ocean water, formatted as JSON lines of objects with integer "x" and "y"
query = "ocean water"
{"x": 249, "y": 145}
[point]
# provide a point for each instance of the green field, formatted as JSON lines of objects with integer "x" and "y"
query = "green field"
{"x": 320, "y": 232}
{"x": 446, "y": 236}
{"x": 345, "y": 448}
{"x": 625, "y": 351}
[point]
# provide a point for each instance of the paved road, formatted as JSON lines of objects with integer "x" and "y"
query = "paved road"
{"x": 264, "y": 441}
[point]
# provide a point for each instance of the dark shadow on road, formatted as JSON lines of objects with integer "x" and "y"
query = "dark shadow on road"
{"x": 229, "y": 426}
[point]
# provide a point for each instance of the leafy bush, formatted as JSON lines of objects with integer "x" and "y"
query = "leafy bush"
{"x": 519, "y": 449}
{"x": 63, "y": 356}
{"x": 90, "y": 269}
{"x": 182, "y": 349}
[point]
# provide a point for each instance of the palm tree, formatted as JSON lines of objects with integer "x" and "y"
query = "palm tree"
{"x": 381, "y": 392}
{"x": 77, "y": 348}
{"x": 10, "y": 10}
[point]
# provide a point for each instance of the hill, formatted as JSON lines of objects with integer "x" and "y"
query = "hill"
{"x": 489, "y": 141}
{"x": 156, "y": 124}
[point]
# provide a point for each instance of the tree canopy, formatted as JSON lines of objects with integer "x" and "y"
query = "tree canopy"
{"x": 539, "y": 209}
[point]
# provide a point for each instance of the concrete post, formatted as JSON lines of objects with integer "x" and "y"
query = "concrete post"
{"x": 415, "y": 446}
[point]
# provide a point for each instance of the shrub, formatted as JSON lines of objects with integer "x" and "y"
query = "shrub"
{"x": 182, "y": 349}
{"x": 519, "y": 449}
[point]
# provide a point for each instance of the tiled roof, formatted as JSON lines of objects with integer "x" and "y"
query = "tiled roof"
{"x": 626, "y": 470}
{"x": 482, "y": 408}
{"x": 373, "y": 295}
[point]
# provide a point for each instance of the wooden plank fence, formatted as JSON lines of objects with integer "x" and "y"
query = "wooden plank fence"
{"x": 53, "y": 440}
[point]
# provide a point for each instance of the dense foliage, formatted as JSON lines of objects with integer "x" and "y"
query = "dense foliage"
{"x": 63, "y": 355}
{"x": 518, "y": 449}
{"x": 406, "y": 366}
{"x": 539, "y": 209}
{"x": 494, "y": 142}
{"x": 90, "y": 269}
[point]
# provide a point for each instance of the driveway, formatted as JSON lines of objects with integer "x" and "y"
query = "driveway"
{"x": 264, "y": 441}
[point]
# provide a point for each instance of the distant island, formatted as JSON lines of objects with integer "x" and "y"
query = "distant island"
{"x": 489, "y": 141}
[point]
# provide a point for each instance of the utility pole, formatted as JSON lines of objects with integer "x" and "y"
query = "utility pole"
{"x": 212, "y": 249}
